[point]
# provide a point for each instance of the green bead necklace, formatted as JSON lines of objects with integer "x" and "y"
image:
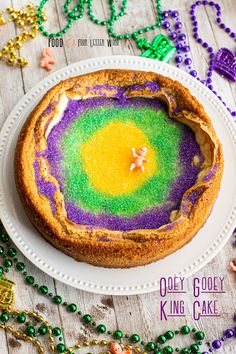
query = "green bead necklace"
{"x": 160, "y": 48}
{"x": 8, "y": 254}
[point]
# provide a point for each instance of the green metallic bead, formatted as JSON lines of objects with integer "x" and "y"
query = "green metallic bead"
{"x": 109, "y": 332}
{"x": 199, "y": 335}
{"x": 45, "y": 33}
{"x": 161, "y": 339}
{"x": 127, "y": 36}
{"x": 4, "y": 317}
{"x": 80, "y": 313}
{"x": 30, "y": 331}
{"x": 140, "y": 31}
{"x": 101, "y": 329}
{"x": 11, "y": 252}
{"x": 72, "y": 308}
{"x": 42, "y": 330}
{"x": 168, "y": 350}
{"x": 20, "y": 266}
{"x": 194, "y": 348}
{"x": 134, "y": 35}
{"x": 1, "y": 250}
{"x": 135, "y": 338}
{"x": 29, "y": 280}
{"x": 185, "y": 351}
{"x": 142, "y": 342}
{"x": 4, "y": 238}
{"x": 43, "y": 290}
{"x": 7, "y": 263}
{"x": 60, "y": 348}
{"x": 169, "y": 335}
{"x": 150, "y": 346}
{"x": 1, "y": 271}
{"x": 57, "y": 299}
{"x": 126, "y": 336}
{"x": 118, "y": 334}
{"x": 147, "y": 29}
{"x": 120, "y": 37}
{"x": 21, "y": 318}
{"x": 56, "y": 331}
{"x": 87, "y": 318}
{"x": 185, "y": 330}
{"x": 157, "y": 351}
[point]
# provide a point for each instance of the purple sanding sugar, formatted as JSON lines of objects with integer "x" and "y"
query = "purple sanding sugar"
{"x": 155, "y": 217}
{"x": 210, "y": 174}
{"x": 45, "y": 188}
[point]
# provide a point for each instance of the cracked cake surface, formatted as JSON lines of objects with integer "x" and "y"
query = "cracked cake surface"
{"x": 72, "y": 164}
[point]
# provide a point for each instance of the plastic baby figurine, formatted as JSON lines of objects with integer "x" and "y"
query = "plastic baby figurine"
{"x": 117, "y": 349}
{"x": 139, "y": 159}
{"x": 47, "y": 59}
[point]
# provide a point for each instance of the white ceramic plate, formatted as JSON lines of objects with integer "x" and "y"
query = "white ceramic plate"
{"x": 186, "y": 261}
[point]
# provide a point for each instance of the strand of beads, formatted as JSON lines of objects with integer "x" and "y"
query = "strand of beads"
{"x": 208, "y": 81}
{"x": 78, "y": 11}
{"x": 183, "y": 58}
{"x": 26, "y": 21}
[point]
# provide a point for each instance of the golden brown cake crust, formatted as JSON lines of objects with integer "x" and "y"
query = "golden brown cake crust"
{"x": 132, "y": 248}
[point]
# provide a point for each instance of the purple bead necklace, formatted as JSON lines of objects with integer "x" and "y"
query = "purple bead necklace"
{"x": 223, "y": 63}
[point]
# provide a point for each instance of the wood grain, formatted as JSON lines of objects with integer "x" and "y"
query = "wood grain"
{"x": 139, "y": 313}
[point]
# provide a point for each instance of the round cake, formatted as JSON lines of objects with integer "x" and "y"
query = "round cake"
{"x": 118, "y": 168}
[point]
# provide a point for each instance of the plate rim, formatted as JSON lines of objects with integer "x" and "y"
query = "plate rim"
{"x": 90, "y": 65}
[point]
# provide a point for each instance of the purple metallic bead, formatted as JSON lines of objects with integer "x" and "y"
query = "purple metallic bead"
{"x": 209, "y": 81}
{"x": 205, "y": 2}
{"x": 178, "y": 25}
{"x": 205, "y": 45}
{"x": 179, "y": 46}
{"x": 232, "y": 35}
{"x": 195, "y": 29}
{"x": 186, "y": 49}
{"x": 211, "y": 3}
{"x": 166, "y": 24}
{"x": 211, "y": 68}
{"x": 217, "y": 6}
{"x": 209, "y": 74}
{"x": 182, "y": 37}
{"x": 234, "y": 244}
{"x": 178, "y": 51}
{"x": 212, "y": 56}
{"x": 165, "y": 14}
{"x": 218, "y": 20}
{"x": 229, "y": 110}
{"x": 228, "y": 30}
{"x": 172, "y": 35}
{"x": 210, "y": 49}
{"x": 191, "y": 12}
{"x": 178, "y": 59}
{"x": 198, "y": 3}
{"x": 234, "y": 114}
{"x": 210, "y": 350}
{"x": 218, "y": 14}
{"x": 175, "y": 14}
{"x": 212, "y": 62}
{"x": 205, "y": 353}
{"x": 220, "y": 98}
{"x": 193, "y": 18}
{"x": 195, "y": 23}
{"x": 188, "y": 61}
{"x": 194, "y": 74}
{"x": 200, "y": 40}
{"x": 210, "y": 87}
{"x": 196, "y": 36}
{"x": 222, "y": 26}
{"x": 216, "y": 344}
{"x": 229, "y": 333}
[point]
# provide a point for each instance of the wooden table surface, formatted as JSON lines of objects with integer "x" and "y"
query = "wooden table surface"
{"x": 131, "y": 313}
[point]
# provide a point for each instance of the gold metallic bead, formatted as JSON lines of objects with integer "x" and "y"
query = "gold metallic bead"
{"x": 5, "y": 49}
{"x": 35, "y": 27}
{"x": 37, "y": 342}
{"x": 137, "y": 350}
{"x": 44, "y": 17}
{"x": 128, "y": 347}
{"x": 2, "y": 326}
{"x": 52, "y": 348}
{"x": 9, "y": 329}
{"x": 41, "y": 350}
{"x": 18, "y": 44}
{"x": 20, "y": 23}
{"x": 77, "y": 346}
{"x": 86, "y": 344}
{"x": 14, "y": 16}
{"x": 18, "y": 37}
{"x": 144, "y": 352}
{"x": 29, "y": 21}
{"x": 0, "y": 55}
{"x": 51, "y": 339}
{"x": 30, "y": 340}
{"x": 94, "y": 342}
{"x": 103, "y": 342}
{"x": 30, "y": 5}
{"x": 2, "y": 21}
{"x": 32, "y": 35}
{"x": 10, "y": 10}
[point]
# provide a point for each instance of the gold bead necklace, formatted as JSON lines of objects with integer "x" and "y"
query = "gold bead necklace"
{"x": 26, "y": 20}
